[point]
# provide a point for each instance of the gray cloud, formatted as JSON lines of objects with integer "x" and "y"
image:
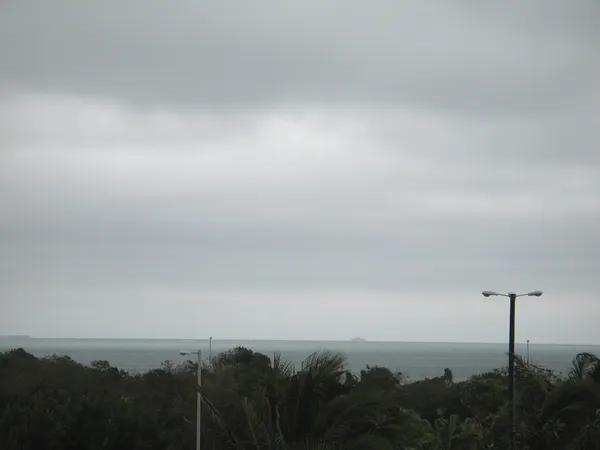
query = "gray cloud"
{"x": 463, "y": 57}
{"x": 386, "y": 161}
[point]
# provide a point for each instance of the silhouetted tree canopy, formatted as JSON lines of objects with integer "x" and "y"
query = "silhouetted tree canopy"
{"x": 252, "y": 402}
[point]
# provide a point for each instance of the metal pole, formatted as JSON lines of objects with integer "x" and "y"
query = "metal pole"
{"x": 511, "y": 359}
{"x": 199, "y": 402}
{"x": 527, "y": 351}
{"x": 511, "y": 371}
{"x": 210, "y": 351}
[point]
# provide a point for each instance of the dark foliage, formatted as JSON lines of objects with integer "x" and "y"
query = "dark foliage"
{"x": 250, "y": 402}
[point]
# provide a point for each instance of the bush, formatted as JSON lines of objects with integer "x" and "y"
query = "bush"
{"x": 250, "y": 402}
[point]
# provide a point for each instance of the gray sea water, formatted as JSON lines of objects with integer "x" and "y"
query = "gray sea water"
{"x": 415, "y": 360}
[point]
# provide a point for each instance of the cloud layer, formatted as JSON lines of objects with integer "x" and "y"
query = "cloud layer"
{"x": 241, "y": 173}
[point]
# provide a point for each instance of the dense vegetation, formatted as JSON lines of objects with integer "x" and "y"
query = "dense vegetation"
{"x": 251, "y": 402}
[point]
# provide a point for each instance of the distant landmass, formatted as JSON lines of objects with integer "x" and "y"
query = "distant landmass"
{"x": 358, "y": 339}
{"x": 14, "y": 336}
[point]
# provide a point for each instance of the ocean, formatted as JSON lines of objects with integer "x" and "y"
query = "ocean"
{"x": 415, "y": 360}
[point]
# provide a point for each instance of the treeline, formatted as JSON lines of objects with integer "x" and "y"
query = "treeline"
{"x": 252, "y": 403}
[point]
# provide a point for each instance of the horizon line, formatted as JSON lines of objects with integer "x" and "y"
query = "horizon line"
{"x": 349, "y": 340}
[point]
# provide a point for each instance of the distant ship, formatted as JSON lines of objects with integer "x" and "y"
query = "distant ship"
{"x": 358, "y": 339}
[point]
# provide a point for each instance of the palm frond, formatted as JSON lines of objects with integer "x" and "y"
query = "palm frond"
{"x": 532, "y": 381}
{"x": 326, "y": 363}
{"x": 571, "y": 400}
{"x": 280, "y": 437}
{"x": 217, "y": 418}
{"x": 584, "y": 364}
{"x": 282, "y": 367}
{"x": 252, "y": 419}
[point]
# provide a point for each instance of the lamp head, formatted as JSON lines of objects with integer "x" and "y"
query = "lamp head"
{"x": 535, "y": 294}
{"x": 184, "y": 353}
{"x": 488, "y": 293}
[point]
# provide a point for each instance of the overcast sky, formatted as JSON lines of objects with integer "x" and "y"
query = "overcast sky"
{"x": 300, "y": 170}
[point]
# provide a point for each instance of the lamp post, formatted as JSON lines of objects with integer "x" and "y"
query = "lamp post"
{"x": 511, "y": 356}
{"x": 527, "y": 351}
{"x": 198, "y": 353}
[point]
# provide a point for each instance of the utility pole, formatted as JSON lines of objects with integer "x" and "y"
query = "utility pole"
{"x": 511, "y": 358}
{"x": 511, "y": 371}
{"x": 198, "y": 353}
{"x": 199, "y": 402}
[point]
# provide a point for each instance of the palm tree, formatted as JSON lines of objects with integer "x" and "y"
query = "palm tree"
{"x": 312, "y": 409}
{"x": 585, "y": 366}
{"x": 555, "y": 413}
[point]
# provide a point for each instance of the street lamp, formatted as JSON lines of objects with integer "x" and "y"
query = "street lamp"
{"x": 511, "y": 354}
{"x": 198, "y": 353}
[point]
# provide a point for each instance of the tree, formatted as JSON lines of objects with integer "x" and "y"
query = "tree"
{"x": 555, "y": 412}
{"x": 254, "y": 403}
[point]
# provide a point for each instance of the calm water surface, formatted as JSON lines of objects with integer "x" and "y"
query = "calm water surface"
{"x": 416, "y": 360}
